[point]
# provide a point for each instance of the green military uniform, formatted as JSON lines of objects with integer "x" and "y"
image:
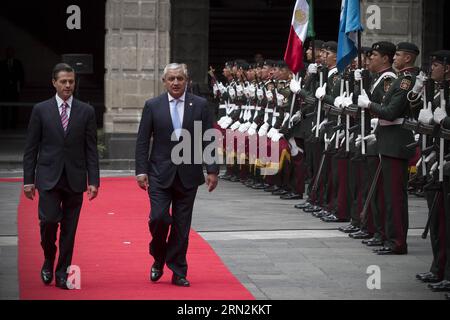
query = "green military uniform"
{"x": 392, "y": 140}
{"x": 440, "y": 218}
{"x": 373, "y": 222}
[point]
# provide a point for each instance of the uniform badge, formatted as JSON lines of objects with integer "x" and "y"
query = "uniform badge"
{"x": 387, "y": 85}
{"x": 405, "y": 84}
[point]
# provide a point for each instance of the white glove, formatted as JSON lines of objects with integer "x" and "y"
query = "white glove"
{"x": 373, "y": 124}
{"x": 276, "y": 137}
{"x": 242, "y": 128}
{"x": 246, "y": 92}
{"x": 363, "y": 100}
{"x": 259, "y": 94}
{"x": 216, "y": 90}
{"x": 370, "y": 138}
{"x": 239, "y": 90}
{"x": 294, "y": 85}
{"x": 226, "y": 123}
{"x": 418, "y": 85}
{"x": 347, "y": 101}
{"x": 222, "y": 88}
{"x": 439, "y": 115}
{"x": 235, "y": 125}
{"x": 321, "y": 91}
{"x": 251, "y": 91}
{"x": 280, "y": 99}
{"x": 252, "y": 130}
{"x": 358, "y": 75}
{"x": 426, "y": 115}
{"x": 271, "y": 132}
{"x": 338, "y": 101}
{"x": 231, "y": 93}
{"x": 296, "y": 117}
{"x": 263, "y": 130}
{"x": 269, "y": 95}
{"x": 312, "y": 68}
{"x": 222, "y": 119}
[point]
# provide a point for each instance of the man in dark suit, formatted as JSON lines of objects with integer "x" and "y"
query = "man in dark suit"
{"x": 60, "y": 161}
{"x": 171, "y": 182}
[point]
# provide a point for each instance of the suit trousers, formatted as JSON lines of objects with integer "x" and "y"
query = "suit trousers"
{"x": 172, "y": 250}
{"x": 59, "y": 206}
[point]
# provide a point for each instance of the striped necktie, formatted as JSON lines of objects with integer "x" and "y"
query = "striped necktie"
{"x": 64, "y": 117}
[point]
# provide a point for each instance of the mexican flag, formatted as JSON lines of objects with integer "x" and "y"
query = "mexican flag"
{"x": 302, "y": 26}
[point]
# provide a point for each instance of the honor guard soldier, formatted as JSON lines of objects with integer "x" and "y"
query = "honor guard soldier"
{"x": 438, "y": 199}
{"x": 392, "y": 140}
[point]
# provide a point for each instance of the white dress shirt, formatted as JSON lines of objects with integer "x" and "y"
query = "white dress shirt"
{"x": 180, "y": 105}
{"x": 59, "y": 103}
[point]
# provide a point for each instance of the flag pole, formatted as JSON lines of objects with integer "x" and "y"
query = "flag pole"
{"x": 363, "y": 112}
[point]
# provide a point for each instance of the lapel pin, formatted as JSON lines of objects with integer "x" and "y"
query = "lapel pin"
{"x": 190, "y": 104}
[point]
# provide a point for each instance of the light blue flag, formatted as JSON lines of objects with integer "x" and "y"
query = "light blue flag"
{"x": 349, "y": 26}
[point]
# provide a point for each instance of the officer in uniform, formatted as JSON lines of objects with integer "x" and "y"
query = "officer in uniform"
{"x": 439, "y": 273}
{"x": 392, "y": 140}
{"x": 381, "y": 58}
{"x": 307, "y": 104}
{"x": 328, "y": 93}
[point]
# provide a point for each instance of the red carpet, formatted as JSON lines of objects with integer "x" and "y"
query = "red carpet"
{"x": 112, "y": 253}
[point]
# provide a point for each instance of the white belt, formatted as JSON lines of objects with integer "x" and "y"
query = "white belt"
{"x": 383, "y": 122}
{"x": 222, "y": 106}
{"x": 268, "y": 110}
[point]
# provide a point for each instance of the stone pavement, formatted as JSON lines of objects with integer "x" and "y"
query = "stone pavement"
{"x": 275, "y": 250}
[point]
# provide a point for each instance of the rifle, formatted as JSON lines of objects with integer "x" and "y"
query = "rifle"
{"x": 319, "y": 106}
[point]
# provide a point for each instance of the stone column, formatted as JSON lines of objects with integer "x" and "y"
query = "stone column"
{"x": 137, "y": 47}
{"x": 401, "y": 20}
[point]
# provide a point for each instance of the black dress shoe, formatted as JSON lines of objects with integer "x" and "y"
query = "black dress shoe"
{"x": 444, "y": 285}
{"x": 373, "y": 242}
{"x": 320, "y": 214}
{"x": 350, "y": 229}
{"x": 343, "y": 228}
{"x": 302, "y": 205}
{"x": 360, "y": 235}
{"x": 280, "y": 192}
{"x": 180, "y": 281}
{"x": 271, "y": 188}
{"x": 388, "y": 251}
{"x": 259, "y": 186}
{"x": 156, "y": 271}
{"x": 292, "y": 196}
{"x": 312, "y": 209}
{"x": 332, "y": 218}
{"x": 62, "y": 283}
{"x": 428, "y": 277}
{"x": 47, "y": 272}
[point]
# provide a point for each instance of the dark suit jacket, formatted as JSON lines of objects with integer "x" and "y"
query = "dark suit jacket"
{"x": 49, "y": 150}
{"x": 156, "y": 122}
